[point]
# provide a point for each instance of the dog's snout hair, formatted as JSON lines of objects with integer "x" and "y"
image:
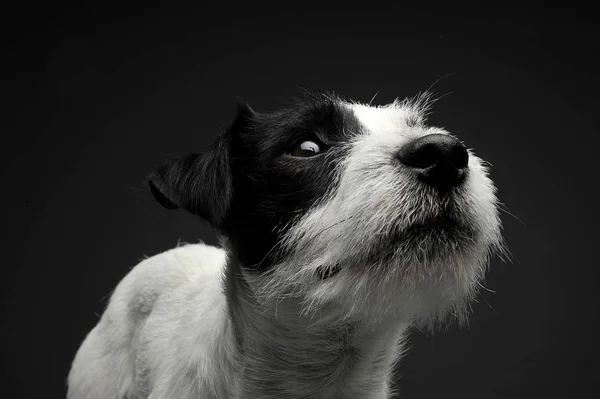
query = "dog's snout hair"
{"x": 333, "y": 241}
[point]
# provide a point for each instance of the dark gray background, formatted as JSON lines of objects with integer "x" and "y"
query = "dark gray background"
{"x": 97, "y": 96}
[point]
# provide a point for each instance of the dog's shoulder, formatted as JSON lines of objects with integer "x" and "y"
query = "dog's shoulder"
{"x": 141, "y": 324}
{"x": 162, "y": 274}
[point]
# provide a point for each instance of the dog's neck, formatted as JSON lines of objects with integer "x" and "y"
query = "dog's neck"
{"x": 281, "y": 354}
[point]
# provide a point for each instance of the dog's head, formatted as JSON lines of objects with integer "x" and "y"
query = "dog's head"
{"x": 359, "y": 208}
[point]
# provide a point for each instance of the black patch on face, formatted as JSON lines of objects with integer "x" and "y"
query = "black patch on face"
{"x": 248, "y": 186}
{"x": 270, "y": 188}
{"x": 251, "y": 190}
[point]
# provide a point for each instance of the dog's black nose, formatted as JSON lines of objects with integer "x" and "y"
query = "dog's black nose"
{"x": 439, "y": 159}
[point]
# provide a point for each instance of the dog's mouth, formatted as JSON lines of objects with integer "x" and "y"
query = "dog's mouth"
{"x": 435, "y": 236}
{"x": 325, "y": 272}
{"x": 434, "y": 225}
{"x": 445, "y": 226}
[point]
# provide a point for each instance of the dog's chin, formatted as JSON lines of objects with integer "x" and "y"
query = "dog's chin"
{"x": 426, "y": 270}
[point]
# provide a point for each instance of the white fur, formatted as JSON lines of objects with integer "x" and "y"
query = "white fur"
{"x": 167, "y": 317}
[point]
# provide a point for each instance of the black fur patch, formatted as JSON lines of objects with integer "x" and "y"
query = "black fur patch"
{"x": 247, "y": 186}
{"x": 272, "y": 188}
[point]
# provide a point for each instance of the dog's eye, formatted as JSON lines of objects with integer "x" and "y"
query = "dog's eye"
{"x": 305, "y": 149}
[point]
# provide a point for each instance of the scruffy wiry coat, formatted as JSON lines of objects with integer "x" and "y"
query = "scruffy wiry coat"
{"x": 338, "y": 231}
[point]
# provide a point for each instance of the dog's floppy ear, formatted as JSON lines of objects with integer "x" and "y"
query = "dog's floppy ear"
{"x": 201, "y": 183}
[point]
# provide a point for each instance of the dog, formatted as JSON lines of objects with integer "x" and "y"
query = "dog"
{"x": 341, "y": 225}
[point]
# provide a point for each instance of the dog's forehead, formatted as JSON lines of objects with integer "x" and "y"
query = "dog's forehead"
{"x": 327, "y": 118}
{"x": 342, "y": 119}
{"x": 387, "y": 118}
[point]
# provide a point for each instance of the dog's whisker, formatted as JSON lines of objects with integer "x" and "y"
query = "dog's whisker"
{"x": 503, "y": 208}
{"x": 373, "y": 98}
